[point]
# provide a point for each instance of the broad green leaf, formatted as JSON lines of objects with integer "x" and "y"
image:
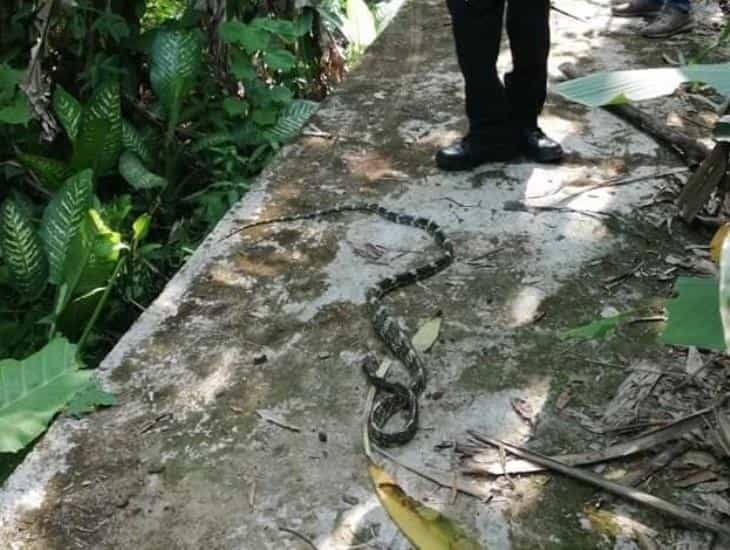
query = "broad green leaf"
{"x": 93, "y": 255}
{"x": 33, "y": 390}
{"x": 9, "y": 80}
{"x": 17, "y": 111}
{"x": 175, "y": 64}
{"x": 281, "y": 28}
{"x": 426, "y": 528}
{"x": 132, "y": 141}
{"x": 427, "y": 335}
{"x": 264, "y": 117}
{"x": 234, "y": 106}
{"x": 50, "y": 172}
{"x": 212, "y": 140}
{"x": 23, "y": 253}
{"x": 291, "y": 120}
{"x": 136, "y": 174}
{"x": 359, "y": 27}
{"x": 250, "y": 37}
{"x": 141, "y": 228}
{"x": 596, "y": 329}
{"x": 99, "y": 140}
{"x": 694, "y": 315}
{"x": 281, "y": 94}
{"x": 68, "y": 110}
{"x": 241, "y": 66}
{"x": 605, "y": 88}
{"x": 303, "y": 24}
{"x": 280, "y": 60}
{"x": 89, "y": 398}
{"x": 62, "y": 219}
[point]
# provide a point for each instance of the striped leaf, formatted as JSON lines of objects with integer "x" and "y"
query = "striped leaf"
{"x": 291, "y": 120}
{"x": 134, "y": 171}
{"x": 211, "y": 140}
{"x": 50, "y": 172}
{"x": 33, "y": 390}
{"x": 132, "y": 141}
{"x": 96, "y": 248}
{"x": 175, "y": 64}
{"x": 99, "y": 140}
{"x": 62, "y": 219}
{"x": 68, "y": 110}
{"x": 23, "y": 253}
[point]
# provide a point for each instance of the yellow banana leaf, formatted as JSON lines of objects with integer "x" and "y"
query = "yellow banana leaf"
{"x": 717, "y": 240}
{"x": 424, "y": 527}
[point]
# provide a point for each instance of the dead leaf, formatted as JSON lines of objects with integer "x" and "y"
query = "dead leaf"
{"x": 723, "y": 430}
{"x": 523, "y": 410}
{"x": 717, "y": 503}
{"x": 425, "y": 528}
{"x": 695, "y": 362}
{"x": 717, "y": 240}
{"x": 696, "y": 478}
{"x": 427, "y": 335}
{"x": 696, "y": 459}
{"x": 563, "y": 399}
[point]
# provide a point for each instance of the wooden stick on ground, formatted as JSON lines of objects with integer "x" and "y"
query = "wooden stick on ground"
{"x": 634, "y": 495}
{"x": 689, "y": 150}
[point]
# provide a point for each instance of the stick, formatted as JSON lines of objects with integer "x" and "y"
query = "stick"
{"x": 299, "y": 536}
{"x": 689, "y": 150}
{"x": 278, "y": 422}
{"x": 634, "y": 495}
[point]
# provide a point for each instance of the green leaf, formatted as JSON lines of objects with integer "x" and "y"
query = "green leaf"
{"x": 135, "y": 173}
{"x": 89, "y": 398}
{"x": 176, "y": 60}
{"x": 50, "y": 172}
{"x": 212, "y": 140}
{"x": 234, "y": 107}
{"x": 596, "y": 329}
{"x": 17, "y": 111}
{"x": 69, "y": 111}
{"x": 33, "y": 390}
{"x": 725, "y": 288}
{"x": 62, "y": 218}
{"x": 291, "y": 120}
{"x": 636, "y": 85}
{"x": 250, "y": 37}
{"x": 9, "y": 80}
{"x": 99, "y": 140}
{"x": 694, "y": 315}
{"x": 281, "y": 28}
{"x": 303, "y": 24}
{"x": 241, "y": 66}
{"x": 26, "y": 262}
{"x": 132, "y": 141}
{"x": 141, "y": 228}
{"x": 280, "y": 60}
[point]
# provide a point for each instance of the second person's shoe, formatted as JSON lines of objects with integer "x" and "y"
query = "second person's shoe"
{"x": 637, "y": 8}
{"x": 671, "y": 21}
{"x": 539, "y": 147}
{"x": 468, "y": 153}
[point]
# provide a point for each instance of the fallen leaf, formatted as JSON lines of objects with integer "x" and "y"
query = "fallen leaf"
{"x": 717, "y": 240}
{"x": 694, "y": 361}
{"x": 696, "y": 459}
{"x": 425, "y": 528}
{"x": 703, "y": 476}
{"x": 563, "y": 399}
{"x": 717, "y": 503}
{"x": 427, "y": 335}
{"x": 694, "y": 317}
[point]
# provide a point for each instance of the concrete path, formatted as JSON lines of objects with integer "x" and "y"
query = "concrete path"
{"x": 186, "y": 462}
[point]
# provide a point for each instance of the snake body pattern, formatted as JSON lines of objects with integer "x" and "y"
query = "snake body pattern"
{"x": 392, "y": 397}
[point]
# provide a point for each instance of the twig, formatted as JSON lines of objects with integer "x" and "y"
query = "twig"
{"x": 617, "y": 489}
{"x": 299, "y": 536}
{"x": 278, "y": 422}
{"x": 457, "y": 203}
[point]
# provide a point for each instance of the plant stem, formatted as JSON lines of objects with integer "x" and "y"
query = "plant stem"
{"x": 102, "y": 301}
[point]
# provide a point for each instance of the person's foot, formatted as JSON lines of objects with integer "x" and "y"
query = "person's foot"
{"x": 539, "y": 147}
{"x": 469, "y": 153}
{"x": 671, "y": 21}
{"x": 637, "y": 8}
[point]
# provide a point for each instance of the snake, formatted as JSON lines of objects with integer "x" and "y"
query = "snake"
{"x": 391, "y": 397}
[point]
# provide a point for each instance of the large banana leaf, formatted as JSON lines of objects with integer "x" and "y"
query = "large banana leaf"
{"x": 175, "y": 64}
{"x": 99, "y": 140}
{"x": 62, "y": 219}
{"x": 607, "y": 88}
{"x": 32, "y": 391}
{"x": 725, "y": 292}
{"x": 27, "y": 265}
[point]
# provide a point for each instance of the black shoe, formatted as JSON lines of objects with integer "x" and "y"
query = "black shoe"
{"x": 467, "y": 153}
{"x": 540, "y": 148}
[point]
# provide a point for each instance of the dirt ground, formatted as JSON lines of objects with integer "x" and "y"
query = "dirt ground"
{"x": 272, "y": 323}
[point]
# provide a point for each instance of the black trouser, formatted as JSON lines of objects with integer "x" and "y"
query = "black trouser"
{"x": 497, "y": 111}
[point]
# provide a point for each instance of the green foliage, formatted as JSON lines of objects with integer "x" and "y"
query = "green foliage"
{"x": 694, "y": 315}
{"x": 27, "y": 266}
{"x": 34, "y": 390}
{"x": 69, "y": 111}
{"x": 51, "y": 173}
{"x": 132, "y": 141}
{"x": 99, "y": 140}
{"x": 14, "y": 108}
{"x": 291, "y": 120}
{"x": 135, "y": 173}
{"x": 89, "y": 398}
{"x": 62, "y": 219}
{"x": 599, "y": 328}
